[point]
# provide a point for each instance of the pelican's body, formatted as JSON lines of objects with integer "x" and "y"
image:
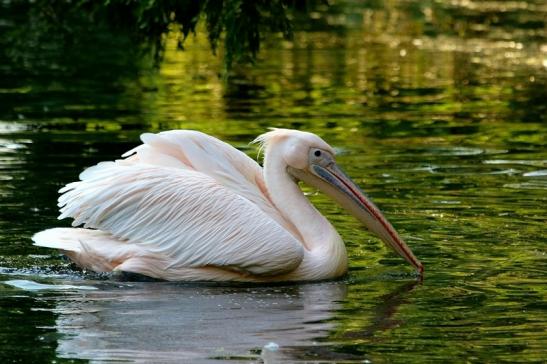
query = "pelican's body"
{"x": 184, "y": 206}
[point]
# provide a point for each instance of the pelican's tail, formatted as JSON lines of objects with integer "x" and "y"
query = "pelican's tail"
{"x": 96, "y": 250}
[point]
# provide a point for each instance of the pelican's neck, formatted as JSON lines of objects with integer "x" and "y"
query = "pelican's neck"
{"x": 314, "y": 229}
{"x": 325, "y": 253}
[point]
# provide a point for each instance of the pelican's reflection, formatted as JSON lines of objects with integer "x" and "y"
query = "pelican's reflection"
{"x": 160, "y": 322}
{"x": 163, "y": 321}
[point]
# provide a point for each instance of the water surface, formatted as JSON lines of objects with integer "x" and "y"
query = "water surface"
{"x": 437, "y": 109}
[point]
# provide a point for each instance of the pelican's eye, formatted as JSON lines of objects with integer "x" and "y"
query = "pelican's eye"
{"x": 320, "y": 157}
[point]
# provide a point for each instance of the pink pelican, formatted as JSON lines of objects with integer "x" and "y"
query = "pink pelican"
{"x": 185, "y": 206}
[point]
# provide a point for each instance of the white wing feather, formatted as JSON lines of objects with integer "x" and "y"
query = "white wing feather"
{"x": 169, "y": 208}
{"x": 190, "y": 149}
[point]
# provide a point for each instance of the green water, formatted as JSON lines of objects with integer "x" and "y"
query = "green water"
{"x": 437, "y": 110}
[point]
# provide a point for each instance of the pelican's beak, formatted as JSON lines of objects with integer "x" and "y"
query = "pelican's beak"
{"x": 334, "y": 182}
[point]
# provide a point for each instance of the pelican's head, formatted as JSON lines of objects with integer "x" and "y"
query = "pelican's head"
{"x": 311, "y": 160}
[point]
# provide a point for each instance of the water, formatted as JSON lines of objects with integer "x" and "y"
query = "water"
{"x": 437, "y": 109}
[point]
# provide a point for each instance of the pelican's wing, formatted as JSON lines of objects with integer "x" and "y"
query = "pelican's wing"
{"x": 193, "y": 150}
{"x": 180, "y": 214}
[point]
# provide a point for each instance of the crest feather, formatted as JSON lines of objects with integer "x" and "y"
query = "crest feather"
{"x": 263, "y": 140}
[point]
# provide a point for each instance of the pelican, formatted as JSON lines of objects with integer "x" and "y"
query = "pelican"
{"x": 185, "y": 206}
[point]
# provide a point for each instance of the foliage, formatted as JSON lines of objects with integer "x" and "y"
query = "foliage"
{"x": 239, "y": 24}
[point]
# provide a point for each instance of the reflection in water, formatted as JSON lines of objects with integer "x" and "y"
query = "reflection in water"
{"x": 383, "y": 313}
{"x": 158, "y": 321}
{"x": 170, "y": 322}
